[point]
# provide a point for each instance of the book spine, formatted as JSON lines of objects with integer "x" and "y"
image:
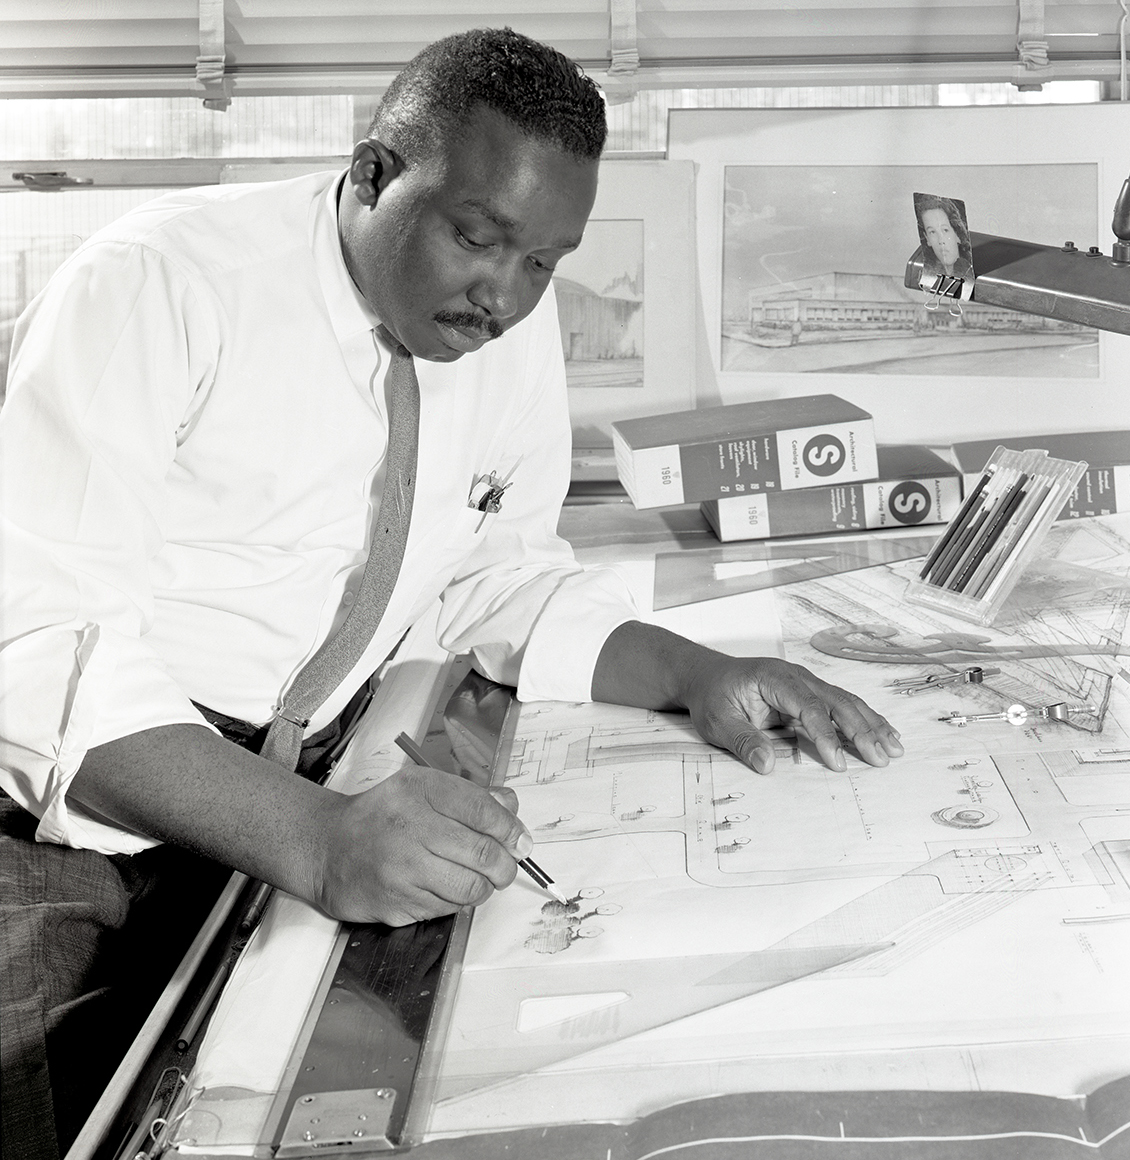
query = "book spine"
{"x": 1101, "y": 492}
{"x": 651, "y": 476}
{"x": 843, "y": 508}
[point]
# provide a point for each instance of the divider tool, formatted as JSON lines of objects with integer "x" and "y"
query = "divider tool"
{"x": 908, "y": 686}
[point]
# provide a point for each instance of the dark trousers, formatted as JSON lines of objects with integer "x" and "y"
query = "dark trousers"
{"x": 87, "y": 943}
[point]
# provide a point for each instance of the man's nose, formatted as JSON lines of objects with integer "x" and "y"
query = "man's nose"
{"x": 498, "y": 291}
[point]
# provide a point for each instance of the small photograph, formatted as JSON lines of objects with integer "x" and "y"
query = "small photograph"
{"x": 943, "y": 230}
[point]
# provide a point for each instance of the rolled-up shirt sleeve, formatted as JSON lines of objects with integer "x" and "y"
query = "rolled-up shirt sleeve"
{"x": 531, "y": 615}
{"x": 102, "y": 378}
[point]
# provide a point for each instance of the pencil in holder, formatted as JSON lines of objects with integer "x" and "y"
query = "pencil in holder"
{"x": 978, "y": 559}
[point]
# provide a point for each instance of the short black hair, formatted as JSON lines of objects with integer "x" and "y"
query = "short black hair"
{"x": 543, "y": 92}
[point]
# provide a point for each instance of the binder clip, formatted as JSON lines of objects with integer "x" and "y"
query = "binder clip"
{"x": 948, "y": 288}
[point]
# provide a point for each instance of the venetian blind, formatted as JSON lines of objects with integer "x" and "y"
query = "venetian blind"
{"x": 99, "y": 47}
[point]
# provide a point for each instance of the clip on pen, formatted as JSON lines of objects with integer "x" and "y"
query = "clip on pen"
{"x": 528, "y": 864}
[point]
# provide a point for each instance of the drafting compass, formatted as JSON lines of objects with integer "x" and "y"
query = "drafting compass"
{"x": 908, "y": 686}
{"x": 1020, "y": 714}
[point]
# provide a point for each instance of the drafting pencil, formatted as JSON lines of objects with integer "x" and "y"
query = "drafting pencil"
{"x": 530, "y": 867}
{"x": 945, "y": 563}
{"x": 979, "y": 513}
{"x": 995, "y": 496}
{"x": 1020, "y": 536}
{"x": 992, "y": 534}
{"x": 1007, "y": 543}
{"x": 536, "y": 872}
{"x": 1027, "y": 533}
{"x": 1003, "y": 507}
{"x": 542, "y": 879}
{"x": 981, "y": 575}
{"x": 957, "y": 524}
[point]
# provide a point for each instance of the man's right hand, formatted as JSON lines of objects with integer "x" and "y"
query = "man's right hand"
{"x": 420, "y": 844}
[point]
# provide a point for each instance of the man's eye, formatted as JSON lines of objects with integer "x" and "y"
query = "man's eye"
{"x": 470, "y": 243}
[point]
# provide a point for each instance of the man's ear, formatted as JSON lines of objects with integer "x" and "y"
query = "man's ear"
{"x": 373, "y": 166}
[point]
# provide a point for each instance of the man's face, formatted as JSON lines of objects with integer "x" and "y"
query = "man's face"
{"x": 461, "y": 246}
{"x": 940, "y": 236}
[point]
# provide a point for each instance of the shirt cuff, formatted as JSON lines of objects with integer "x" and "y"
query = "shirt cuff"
{"x": 66, "y": 689}
{"x": 563, "y": 648}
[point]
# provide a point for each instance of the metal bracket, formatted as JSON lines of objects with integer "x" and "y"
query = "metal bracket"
{"x": 324, "y": 1121}
{"x": 46, "y": 181}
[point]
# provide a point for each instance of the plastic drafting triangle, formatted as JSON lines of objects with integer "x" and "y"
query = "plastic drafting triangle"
{"x": 486, "y": 1046}
{"x": 688, "y": 577}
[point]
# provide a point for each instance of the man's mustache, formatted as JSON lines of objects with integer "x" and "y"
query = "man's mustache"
{"x": 465, "y": 320}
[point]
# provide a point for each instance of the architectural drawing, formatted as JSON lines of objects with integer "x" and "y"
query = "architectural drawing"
{"x": 833, "y": 299}
{"x": 861, "y": 899}
{"x": 599, "y": 291}
{"x": 906, "y": 861}
{"x": 562, "y": 923}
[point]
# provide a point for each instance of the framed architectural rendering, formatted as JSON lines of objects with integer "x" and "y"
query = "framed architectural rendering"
{"x": 806, "y": 220}
{"x": 625, "y": 300}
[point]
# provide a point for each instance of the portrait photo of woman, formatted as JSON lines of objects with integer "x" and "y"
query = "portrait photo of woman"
{"x": 944, "y": 234}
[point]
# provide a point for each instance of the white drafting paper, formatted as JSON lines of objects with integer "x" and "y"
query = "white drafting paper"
{"x": 976, "y": 892}
{"x": 853, "y": 939}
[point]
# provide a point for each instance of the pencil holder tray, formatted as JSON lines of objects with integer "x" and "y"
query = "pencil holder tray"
{"x": 978, "y": 559}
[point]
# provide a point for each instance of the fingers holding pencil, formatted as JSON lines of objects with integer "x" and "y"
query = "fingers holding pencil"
{"x": 540, "y": 877}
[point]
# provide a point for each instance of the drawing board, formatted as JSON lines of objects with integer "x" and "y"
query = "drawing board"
{"x": 974, "y": 893}
{"x": 957, "y": 920}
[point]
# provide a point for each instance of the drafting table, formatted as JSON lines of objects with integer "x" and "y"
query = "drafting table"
{"x": 959, "y": 921}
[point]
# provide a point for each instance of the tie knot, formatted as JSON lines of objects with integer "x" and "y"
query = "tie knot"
{"x": 398, "y": 348}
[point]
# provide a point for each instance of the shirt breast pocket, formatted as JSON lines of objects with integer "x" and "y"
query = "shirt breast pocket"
{"x": 472, "y": 525}
{"x": 456, "y": 535}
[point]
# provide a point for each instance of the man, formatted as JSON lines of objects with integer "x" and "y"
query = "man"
{"x": 194, "y": 446}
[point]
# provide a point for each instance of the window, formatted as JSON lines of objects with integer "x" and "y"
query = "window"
{"x": 134, "y": 148}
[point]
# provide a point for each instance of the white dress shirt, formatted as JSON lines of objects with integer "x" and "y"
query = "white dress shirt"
{"x": 192, "y": 452}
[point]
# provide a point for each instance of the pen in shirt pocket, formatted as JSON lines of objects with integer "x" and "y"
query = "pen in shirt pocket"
{"x": 487, "y": 491}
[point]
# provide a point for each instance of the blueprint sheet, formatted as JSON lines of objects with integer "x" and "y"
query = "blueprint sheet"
{"x": 974, "y": 894}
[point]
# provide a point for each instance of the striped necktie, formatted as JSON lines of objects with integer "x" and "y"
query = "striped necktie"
{"x": 338, "y": 655}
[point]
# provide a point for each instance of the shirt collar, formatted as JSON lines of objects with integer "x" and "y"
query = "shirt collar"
{"x": 348, "y": 310}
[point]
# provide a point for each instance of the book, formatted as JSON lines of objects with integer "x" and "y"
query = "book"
{"x": 1105, "y": 486}
{"x": 743, "y": 448}
{"x": 894, "y": 1125}
{"x": 915, "y": 486}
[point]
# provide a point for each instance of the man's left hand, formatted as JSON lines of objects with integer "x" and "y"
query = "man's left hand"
{"x": 733, "y": 700}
